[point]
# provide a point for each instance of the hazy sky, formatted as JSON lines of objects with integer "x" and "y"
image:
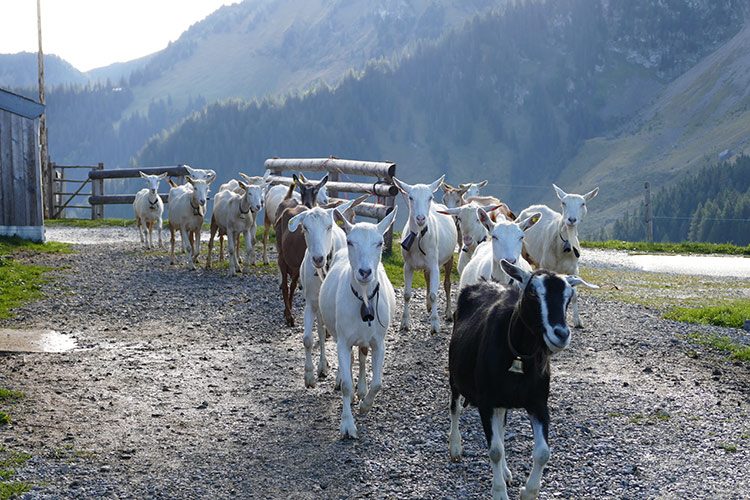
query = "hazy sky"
{"x": 93, "y": 33}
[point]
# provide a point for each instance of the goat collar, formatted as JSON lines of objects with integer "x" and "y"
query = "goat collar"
{"x": 409, "y": 240}
{"x": 244, "y": 212}
{"x": 366, "y": 311}
{"x": 567, "y": 246}
{"x": 517, "y": 366}
{"x": 154, "y": 204}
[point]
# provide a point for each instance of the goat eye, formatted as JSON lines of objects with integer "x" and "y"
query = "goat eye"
{"x": 494, "y": 237}
{"x": 532, "y": 292}
{"x": 349, "y": 243}
{"x": 329, "y": 228}
{"x": 411, "y": 198}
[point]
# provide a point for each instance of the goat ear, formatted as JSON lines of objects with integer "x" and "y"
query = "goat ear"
{"x": 402, "y": 186}
{"x": 341, "y": 221}
{"x": 190, "y": 180}
{"x": 162, "y": 175}
{"x": 450, "y": 211}
{"x": 143, "y": 175}
{"x": 387, "y": 221}
{"x": 322, "y": 182}
{"x": 515, "y": 272}
{"x": 591, "y": 194}
{"x": 485, "y": 219}
{"x": 190, "y": 170}
{"x": 295, "y": 221}
{"x": 575, "y": 280}
{"x": 302, "y": 177}
{"x": 267, "y": 175}
{"x": 242, "y": 185}
{"x": 491, "y": 208}
{"x": 482, "y": 184}
{"x": 447, "y": 187}
{"x": 295, "y": 178}
{"x": 560, "y": 193}
{"x": 249, "y": 179}
{"x": 529, "y": 221}
{"x": 211, "y": 177}
{"x": 436, "y": 185}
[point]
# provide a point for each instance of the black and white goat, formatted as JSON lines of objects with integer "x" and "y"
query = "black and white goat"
{"x": 499, "y": 359}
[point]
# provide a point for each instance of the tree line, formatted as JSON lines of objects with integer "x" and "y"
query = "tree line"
{"x": 710, "y": 206}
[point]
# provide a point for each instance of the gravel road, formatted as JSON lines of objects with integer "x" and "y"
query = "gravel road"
{"x": 188, "y": 385}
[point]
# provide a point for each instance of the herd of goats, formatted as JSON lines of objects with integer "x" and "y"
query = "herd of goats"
{"x": 509, "y": 319}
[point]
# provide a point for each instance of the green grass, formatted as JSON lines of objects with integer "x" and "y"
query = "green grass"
{"x": 9, "y": 461}
{"x": 394, "y": 268}
{"x": 728, "y": 447}
{"x": 20, "y": 282}
{"x": 10, "y": 395}
{"x": 89, "y": 222}
{"x": 722, "y": 343}
{"x": 731, "y": 314}
{"x": 686, "y": 247}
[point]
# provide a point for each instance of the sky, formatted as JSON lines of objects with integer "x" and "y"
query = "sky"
{"x": 94, "y": 33}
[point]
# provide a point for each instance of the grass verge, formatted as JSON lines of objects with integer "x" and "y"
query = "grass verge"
{"x": 20, "y": 282}
{"x": 686, "y": 247}
{"x": 9, "y": 461}
{"x": 730, "y": 314}
{"x": 734, "y": 349}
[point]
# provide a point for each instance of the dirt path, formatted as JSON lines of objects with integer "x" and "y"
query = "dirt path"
{"x": 189, "y": 385}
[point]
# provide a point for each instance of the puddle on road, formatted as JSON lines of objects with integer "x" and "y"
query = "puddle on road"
{"x": 35, "y": 341}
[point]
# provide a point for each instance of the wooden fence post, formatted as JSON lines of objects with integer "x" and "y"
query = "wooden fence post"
{"x": 648, "y": 215}
{"x": 97, "y": 189}
{"x": 49, "y": 190}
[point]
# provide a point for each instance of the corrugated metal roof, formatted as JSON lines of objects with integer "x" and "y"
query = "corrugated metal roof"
{"x": 20, "y": 105}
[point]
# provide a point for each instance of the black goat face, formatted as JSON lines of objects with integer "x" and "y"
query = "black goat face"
{"x": 544, "y": 303}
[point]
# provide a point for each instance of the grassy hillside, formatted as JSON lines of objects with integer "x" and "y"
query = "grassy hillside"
{"x": 697, "y": 116}
{"x": 270, "y": 47}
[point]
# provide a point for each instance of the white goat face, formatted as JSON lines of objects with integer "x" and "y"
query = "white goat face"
{"x": 507, "y": 236}
{"x": 254, "y": 196}
{"x": 574, "y": 205}
{"x": 364, "y": 242}
{"x": 472, "y": 188}
{"x": 200, "y": 191}
{"x": 207, "y": 175}
{"x": 317, "y": 226}
{"x": 152, "y": 181}
{"x": 419, "y": 197}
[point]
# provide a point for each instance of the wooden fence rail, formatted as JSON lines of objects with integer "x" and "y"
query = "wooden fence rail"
{"x": 383, "y": 187}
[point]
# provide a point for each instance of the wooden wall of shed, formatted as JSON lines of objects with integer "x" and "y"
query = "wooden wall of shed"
{"x": 20, "y": 172}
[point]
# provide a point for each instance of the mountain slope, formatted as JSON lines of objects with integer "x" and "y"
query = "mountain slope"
{"x": 20, "y": 70}
{"x": 698, "y": 115}
{"x": 271, "y": 47}
{"x": 513, "y": 97}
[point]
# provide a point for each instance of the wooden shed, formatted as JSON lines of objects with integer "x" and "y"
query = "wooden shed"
{"x": 21, "y": 212}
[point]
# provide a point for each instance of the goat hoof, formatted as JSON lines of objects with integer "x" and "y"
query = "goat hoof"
{"x": 309, "y": 380}
{"x": 404, "y": 327}
{"x": 364, "y": 408}
{"x": 527, "y": 494}
{"x": 348, "y": 431}
{"x": 456, "y": 458}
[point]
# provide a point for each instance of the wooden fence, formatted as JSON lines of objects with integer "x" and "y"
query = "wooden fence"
{"x": 383, "y": 187}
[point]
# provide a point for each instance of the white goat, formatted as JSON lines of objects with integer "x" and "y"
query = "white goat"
{"x": 454, "y": 197}
{"x": 274, "y": 196}
{"x": 323, "y": 238}
{"x": 149, "y": 209}
{"x": 201, "y": 174}
{"x": 187, "y": 207}
{"x": 356, "y": 303}
{"x": 472, "y": 231}
{"x": 553, "y": 244}
{"x": 234, "y": 215}
{"x": 505, "y": 243}
{"x": 234, "y": 184}
{"x": 428, "y": 240}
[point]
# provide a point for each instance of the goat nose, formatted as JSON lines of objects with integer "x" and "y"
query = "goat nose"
{"x": 421, "y": 219}
{"x": 572, "y": 220}
{"x": 203, "y": 202}
{"x": 365, "y": 273}
{"x": 562, "y": 333}
{"x": 318, "y": 260}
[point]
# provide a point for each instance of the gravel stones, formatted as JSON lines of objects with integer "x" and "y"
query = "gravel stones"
{"x": 189, "y": 385}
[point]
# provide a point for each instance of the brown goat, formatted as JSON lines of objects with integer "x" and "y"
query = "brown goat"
{"x": 290, "y": 246}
